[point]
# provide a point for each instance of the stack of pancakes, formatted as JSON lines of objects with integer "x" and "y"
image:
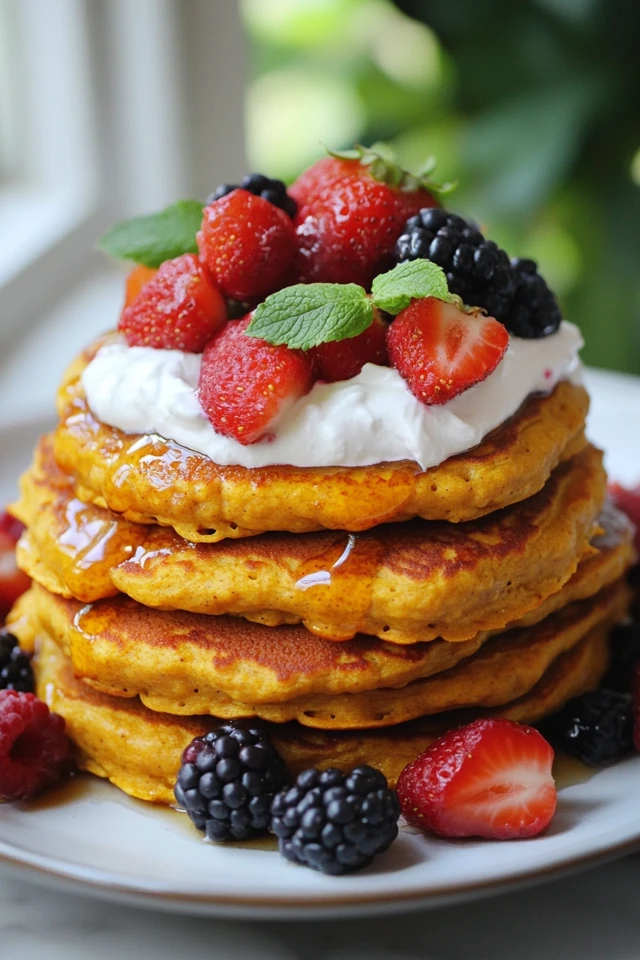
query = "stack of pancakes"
{"x": 358, "y": 612}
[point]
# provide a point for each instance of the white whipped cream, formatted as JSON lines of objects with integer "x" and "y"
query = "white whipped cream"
{"x": 369, "y": 419}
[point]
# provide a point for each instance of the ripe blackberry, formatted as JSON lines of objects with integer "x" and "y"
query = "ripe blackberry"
{"x": 336, "y": 822}
{"x": 596, "y": 727}
{"x": 272, "y": 190}
{"x": 480, "y": 273}
{"x": 625, "y": 653}
{"x": 534, "y": 310}
{"x": 477, "y": 270}
{"x": 15, "y": 665}
{"x": 227, "y": 781}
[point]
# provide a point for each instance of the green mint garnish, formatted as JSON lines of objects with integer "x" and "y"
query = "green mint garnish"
{"x": 413, "y": 280}
{"x": 308, "y": 314}
{"x": 157, "y": 237}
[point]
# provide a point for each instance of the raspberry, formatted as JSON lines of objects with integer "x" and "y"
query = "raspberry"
{"x": 34, "y": 749}
{"x": 248, "y": 245}
{"x": 177, "y": 309}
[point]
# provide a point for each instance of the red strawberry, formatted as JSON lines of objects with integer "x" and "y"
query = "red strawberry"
{"x": 490, "y": 779}
{"x": 627, "y": 499}
{"x": 177, "y": 309}
{"x": 441, "y": 351}
{"x": 245, "y": 383}
{"x": 350, "y": 214}
{"x": 343, "y": 359}
{"x": 247, "y": 243}
{"x": 13, "y": 582}
{"x": 136, "y": 280}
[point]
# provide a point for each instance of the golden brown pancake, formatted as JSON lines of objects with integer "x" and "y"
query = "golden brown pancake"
{"x": 139, "y": 750}
{"x": 151, "y": 480}
{"x": 404, "y": 583}
{"x": 188, "y": 664}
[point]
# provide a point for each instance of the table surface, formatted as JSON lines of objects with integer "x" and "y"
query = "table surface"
{"x": 590, "y": 916}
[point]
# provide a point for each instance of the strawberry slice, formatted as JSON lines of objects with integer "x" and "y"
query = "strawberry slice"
{"x": 627, "y": 499}
{"x": 13, "y": 582}
{"x": 441, "y": 351}
{"x": 246, "y": 383}
{"x": 490, "y": 779}
{"x": 343, "y": 359}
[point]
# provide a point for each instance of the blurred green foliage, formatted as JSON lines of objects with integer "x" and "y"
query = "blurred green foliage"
{"x": 533, "y": 105}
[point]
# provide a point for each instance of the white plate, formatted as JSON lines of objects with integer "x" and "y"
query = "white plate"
{"x": 94, "y": 839}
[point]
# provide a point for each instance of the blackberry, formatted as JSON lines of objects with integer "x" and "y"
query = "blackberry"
{"x": 227, "y": 781}
{"x": 625, "y": 653}
{"x": 596, "y": 727}
{"x": 534, "y": 310}
{"x": 477, "y": 270}
{"x": 334, "y": 822}
{"x": 272, "y": 190}
{"x": 481, "y": 273}
{"x": 15, "y": 665}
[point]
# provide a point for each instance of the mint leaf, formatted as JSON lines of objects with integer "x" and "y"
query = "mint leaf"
{"x": 157, "y": 237}
{"x": 308, "y": 314}
{"x": 413, "y": 280}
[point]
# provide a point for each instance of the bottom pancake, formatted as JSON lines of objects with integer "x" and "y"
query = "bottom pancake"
{"x": 139, "y": 750}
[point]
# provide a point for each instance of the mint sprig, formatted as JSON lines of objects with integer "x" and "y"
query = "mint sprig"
{"x": 308, "y": 314}
{"x": 152, "y": 239}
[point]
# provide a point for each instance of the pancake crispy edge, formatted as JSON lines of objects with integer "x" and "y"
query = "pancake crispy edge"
{"x": 150, "y": 480}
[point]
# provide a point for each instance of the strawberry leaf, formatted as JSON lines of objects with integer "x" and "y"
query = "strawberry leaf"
{"x": 152, "y": 239}
{"x": 308, "y": 314}
{"x": 413, "y": 280}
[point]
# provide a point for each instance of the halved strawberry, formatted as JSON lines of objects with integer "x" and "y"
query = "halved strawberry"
{"x": 13, "y": 582}
{"x": 246, "y": 383}
{"x": 627, "y": 499}
{"x": 490, "y": 779}
{"x": 441, "y": 351}
{"x": 343, "y": 359}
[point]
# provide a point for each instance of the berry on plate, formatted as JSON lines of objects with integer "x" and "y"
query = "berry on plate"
{"x": 15, "y": 665}
{"x": 260, "y": 186}
{"x": 227, "y": 781}
{"x": 596, "y": 727}
{"x": 137, "y": 279}
{"x": 350, "y": 213}
{"x": 34, "y": 749}
{"x": 441, "y": 351}
{"x": 246, "y": 383}
{"x": 336, "y": 822}
{"x": 343, "y": 359}
{"x": 489, "y": 779}
{"x": 627, "y": 499}
{"x": 247, "y": 243}
{"x": 13, "y": 582}
{"x": 177, "y": 309}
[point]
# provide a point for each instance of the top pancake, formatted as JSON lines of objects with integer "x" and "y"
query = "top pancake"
{"x": 402, "y": 582}
{"x": 151, "y": 480}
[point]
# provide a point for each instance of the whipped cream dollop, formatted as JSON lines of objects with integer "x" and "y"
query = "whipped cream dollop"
{"x": 372, "y": 418}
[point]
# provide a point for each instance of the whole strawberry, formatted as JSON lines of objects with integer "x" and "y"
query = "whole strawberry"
{"x": 246, "y": 383}
{"x": 247, "y": 243}
{"x": 441, "y": 351}
{"x": 351, "y": 210}
{"x": 177, "y": 309}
